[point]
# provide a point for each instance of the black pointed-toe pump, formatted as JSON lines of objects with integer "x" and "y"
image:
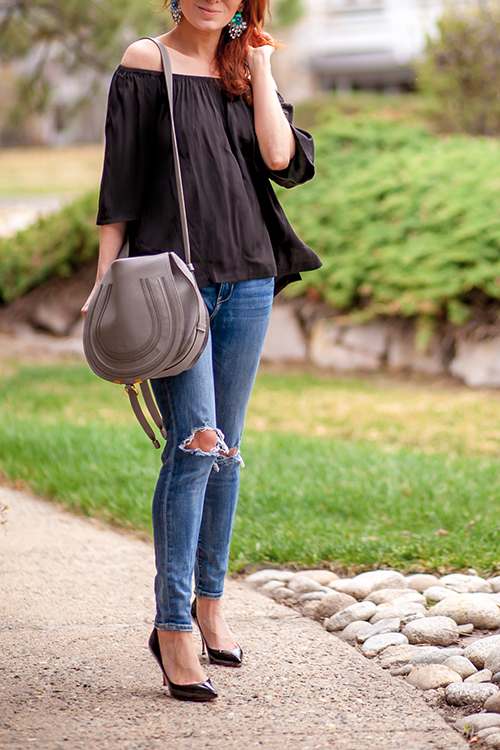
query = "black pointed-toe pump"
{"x": 203, "y": 691}
{"x": 232, "y": 657}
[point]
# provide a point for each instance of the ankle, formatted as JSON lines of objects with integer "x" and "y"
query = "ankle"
{"x": 208, "y": 608}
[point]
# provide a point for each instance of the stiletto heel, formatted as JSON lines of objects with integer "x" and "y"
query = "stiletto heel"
{"x": 232, "y": 657}
{"x": 203, "y": 691}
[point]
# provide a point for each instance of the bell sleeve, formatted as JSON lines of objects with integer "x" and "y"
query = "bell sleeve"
{"x": 301, "y": 167}
{"x": 130, "y": 135}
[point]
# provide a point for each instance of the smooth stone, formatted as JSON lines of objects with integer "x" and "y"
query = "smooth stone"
{"x": 483, "y": 676}
{"x": 466, "y": 629}
{"x": 378, "y": 643}
{"x": 493, "y": 703}
{"x": 437, "y": 631}
{"x": 312, "y": 596}
{"x": 401, "y": 671}
{"x": 412, "y": 597}
{"x": 464, "y": 667}
{"x": 351, "y": 631}
{"x": 421, "y": 581}
{"x": 282, "y": 593}
{"x": 359, "y": 611}
{"x": 495, "y": 584}
{"x": 397, "y": 655}
{"x": 437, "y": 593}
{"x": 309, "y": 609}
{"x": 492, "y": 661}
{"x": 464, "y": 584}
{"x": 476, "y": 722}
{"x": 486, "y": 732}
{"x": 323, "y": 577}
{"x": 469, "y": 608}
{"x": 404, "y": 611}
{"x": 493, "y": 598}
{"x": 264, "y": 576}
{"x": 493, "y": 740}
{"x": 479, "y": 651}
{"x": 434, "y": 655}
{"x": 271, "y": 585}
{"x": 432, "y": 676}
{"x": 333, "y": 603}
{"x": 381, "y": 596}
{"x": 303, "y": 585}
{"x": 363, "y": 584}
{"x": 496, "y": 678}
{"x": 465, "y": 694}
{"x": 392, "y": 625}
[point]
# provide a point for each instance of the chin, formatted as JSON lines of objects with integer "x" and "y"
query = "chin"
{"x": 208, "y": 25}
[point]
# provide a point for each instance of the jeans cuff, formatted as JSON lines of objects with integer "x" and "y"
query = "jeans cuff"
{"x": 207, "y": 595}
{"x": 174, "y": 626}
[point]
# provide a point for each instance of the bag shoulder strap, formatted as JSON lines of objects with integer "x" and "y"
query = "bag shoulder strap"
{"x": 167, "y": 71}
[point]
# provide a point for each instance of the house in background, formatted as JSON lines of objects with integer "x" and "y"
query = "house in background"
{"x": 337, "y": 44}
{"x": 355, "y": 44}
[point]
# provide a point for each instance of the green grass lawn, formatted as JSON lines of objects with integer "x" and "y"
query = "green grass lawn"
{"x": 45, "y": 170}
{"x": 351, "y": 473}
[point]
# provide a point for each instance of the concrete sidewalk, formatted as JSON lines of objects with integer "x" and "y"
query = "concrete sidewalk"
{"x": 76, "y": 610}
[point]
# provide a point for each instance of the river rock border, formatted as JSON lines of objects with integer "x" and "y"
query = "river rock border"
{"x": 441, "y": 635}
{"x": 306, "y": 332}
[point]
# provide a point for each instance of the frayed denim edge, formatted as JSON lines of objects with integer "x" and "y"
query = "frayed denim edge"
{"x": 214, "y": 452}
{"x": 225, "y": 460}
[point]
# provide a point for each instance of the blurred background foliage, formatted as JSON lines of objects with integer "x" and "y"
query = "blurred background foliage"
{"x": 461, "y": 69}
{"x": 404, "y": 208}
{"x": 79, "y": 38}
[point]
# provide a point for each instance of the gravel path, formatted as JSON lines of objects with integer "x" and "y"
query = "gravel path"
{"x": 75, "y": 615}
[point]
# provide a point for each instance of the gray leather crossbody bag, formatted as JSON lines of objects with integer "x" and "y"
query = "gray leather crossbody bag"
{"x": 147, "y": 318}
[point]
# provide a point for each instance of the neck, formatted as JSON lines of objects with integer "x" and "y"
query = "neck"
{"x": 194, "y": 43}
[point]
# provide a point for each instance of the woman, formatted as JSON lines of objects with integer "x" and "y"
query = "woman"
{"x": 234, "y": 133}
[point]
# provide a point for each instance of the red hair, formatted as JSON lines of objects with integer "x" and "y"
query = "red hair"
{"x": 231, "y": 54}
{"x": 230, "y": 57}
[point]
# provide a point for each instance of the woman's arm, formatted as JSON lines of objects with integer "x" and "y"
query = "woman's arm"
{"x": 110, "y": 244}
{"x": 274, "y": 134}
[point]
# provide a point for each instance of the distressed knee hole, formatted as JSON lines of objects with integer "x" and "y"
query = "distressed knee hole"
{"x": 232, "y": 452}
{"x": 203, "y": 440}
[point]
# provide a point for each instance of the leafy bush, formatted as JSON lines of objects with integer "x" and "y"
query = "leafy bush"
{"x": 462, "y": 68}
{"x": 55, "y": 246}
{"x": 406, "y": 223}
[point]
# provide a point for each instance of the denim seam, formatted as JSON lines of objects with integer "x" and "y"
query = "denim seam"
{"x": 221, "y": 302}
{"x": 166, "y": 505}
{"x": 207, "y": 595}
{"x": 174, "y": 626}
{"x": 226, "y": 299}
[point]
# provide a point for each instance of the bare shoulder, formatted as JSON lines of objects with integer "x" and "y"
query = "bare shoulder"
{"x": 142, "y": 54}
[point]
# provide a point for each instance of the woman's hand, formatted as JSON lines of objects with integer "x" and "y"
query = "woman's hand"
{"x": 259, "y": 56}
{"x": 111, "y": 241}
{"x": 85, "y": 308}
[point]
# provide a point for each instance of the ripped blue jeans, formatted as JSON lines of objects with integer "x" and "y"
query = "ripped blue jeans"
{"x": 196, "y": 494}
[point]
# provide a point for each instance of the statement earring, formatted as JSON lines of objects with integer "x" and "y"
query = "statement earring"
{"x": 237, "y": 25}
{"x": 175, "y": 11}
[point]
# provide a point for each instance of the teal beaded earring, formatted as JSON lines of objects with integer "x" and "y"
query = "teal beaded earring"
{"x": 175, "y": 12}
{"x": 237, "y": 25}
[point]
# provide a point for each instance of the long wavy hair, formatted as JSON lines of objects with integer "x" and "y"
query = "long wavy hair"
{"x": 230, "y": 57}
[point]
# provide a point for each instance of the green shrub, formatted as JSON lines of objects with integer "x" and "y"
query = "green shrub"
{"x": 55, "y": 246}
{"x": 461, "y": 69}
{"x": 406, "y": 223}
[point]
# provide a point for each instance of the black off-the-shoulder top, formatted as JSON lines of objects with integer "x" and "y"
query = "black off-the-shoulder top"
{"x": 237, "y": 228}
